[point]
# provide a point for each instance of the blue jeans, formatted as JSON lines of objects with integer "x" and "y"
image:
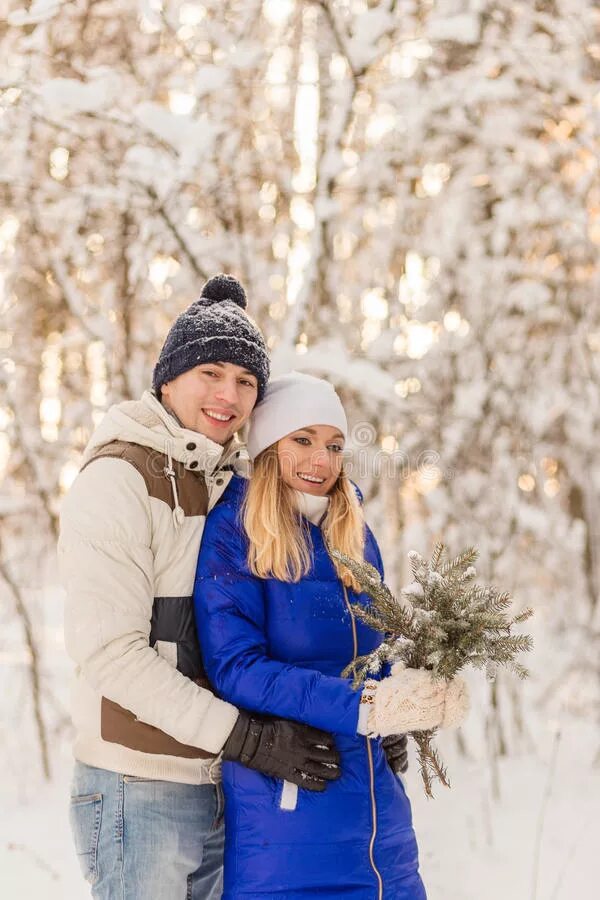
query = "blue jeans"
{"x": 137, "y": 838}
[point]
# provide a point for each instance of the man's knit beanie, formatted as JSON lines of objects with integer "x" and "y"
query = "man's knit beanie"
{"x": 214, "y": 328}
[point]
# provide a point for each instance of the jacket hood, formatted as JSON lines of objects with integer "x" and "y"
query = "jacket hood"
{"x": 147, "y": 422}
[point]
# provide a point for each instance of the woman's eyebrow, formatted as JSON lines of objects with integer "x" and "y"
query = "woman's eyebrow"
{"x": 337, "y": 434}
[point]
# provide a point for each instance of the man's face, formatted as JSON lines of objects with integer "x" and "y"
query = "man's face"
{"x": 214, "y": 399}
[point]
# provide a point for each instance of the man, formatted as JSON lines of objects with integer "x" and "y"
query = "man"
{"x": 146, "y": 805}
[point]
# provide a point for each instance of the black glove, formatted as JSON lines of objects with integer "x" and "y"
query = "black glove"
{"x": 396, "y": 750}
{"x": 283, "y": 749}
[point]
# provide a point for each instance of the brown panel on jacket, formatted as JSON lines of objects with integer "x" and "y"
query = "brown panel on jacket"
{"x": 151, "y": 464}
{"x": 120, "y": 726}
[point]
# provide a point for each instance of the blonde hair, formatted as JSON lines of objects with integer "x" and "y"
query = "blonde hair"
{"x": 279, "y": 539}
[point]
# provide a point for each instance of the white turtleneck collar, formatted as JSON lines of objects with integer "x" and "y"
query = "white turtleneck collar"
{"x": 311, "y": 506}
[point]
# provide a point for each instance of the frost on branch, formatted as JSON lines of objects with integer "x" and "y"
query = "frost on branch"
{"x": 443, "y": 621}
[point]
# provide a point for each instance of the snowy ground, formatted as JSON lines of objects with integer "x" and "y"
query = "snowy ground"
{"x": 533, "y": 838}
{"x": 536, "y": 842}
{"x": 472, "y": 848}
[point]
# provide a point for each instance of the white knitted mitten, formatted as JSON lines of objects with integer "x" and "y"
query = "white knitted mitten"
{"x": 457, "y": 703}
{"x": 413, "y": 700}
{"x": 407, "y": 700}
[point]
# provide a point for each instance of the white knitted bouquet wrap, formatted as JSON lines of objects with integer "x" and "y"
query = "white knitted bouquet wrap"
{"x": 414, "y": 700}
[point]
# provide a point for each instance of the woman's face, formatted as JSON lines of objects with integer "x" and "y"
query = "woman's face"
{"x": 310, "y": 459}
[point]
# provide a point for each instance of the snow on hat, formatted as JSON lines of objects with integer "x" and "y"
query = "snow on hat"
{"x": 215, "y": 328}
{"x": 293, "y": 401}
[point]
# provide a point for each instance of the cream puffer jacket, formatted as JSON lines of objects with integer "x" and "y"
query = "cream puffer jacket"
{"x": 130, "y": 530}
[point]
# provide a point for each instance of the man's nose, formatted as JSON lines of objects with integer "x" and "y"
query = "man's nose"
{"x": 228, "y": 391}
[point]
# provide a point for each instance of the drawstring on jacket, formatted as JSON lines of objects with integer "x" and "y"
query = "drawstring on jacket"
{"x": 178, "y": 513}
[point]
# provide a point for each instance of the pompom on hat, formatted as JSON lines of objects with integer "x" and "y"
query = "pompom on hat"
{"x": 292, "y": 401}
{"x": 215, "y": 328}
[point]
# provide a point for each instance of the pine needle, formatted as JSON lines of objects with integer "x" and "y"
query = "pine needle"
{"x": 441, "y": 622}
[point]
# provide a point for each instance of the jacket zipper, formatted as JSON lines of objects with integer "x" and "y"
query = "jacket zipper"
{"x": 353, "y": 620}
{"x": 374, "y": 816}
{"x": 370, "y": 758}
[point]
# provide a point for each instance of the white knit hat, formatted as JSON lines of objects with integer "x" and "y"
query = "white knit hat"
{"x": 293, "y": 401}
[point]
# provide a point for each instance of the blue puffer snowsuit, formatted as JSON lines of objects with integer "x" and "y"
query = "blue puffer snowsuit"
{"x": 278, "y": 648}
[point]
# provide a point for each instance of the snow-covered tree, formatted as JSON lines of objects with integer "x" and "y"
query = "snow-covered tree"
{"x": 409, "y": 192}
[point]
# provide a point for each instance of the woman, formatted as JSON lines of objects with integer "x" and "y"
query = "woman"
{"x": 275, "y": 623}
